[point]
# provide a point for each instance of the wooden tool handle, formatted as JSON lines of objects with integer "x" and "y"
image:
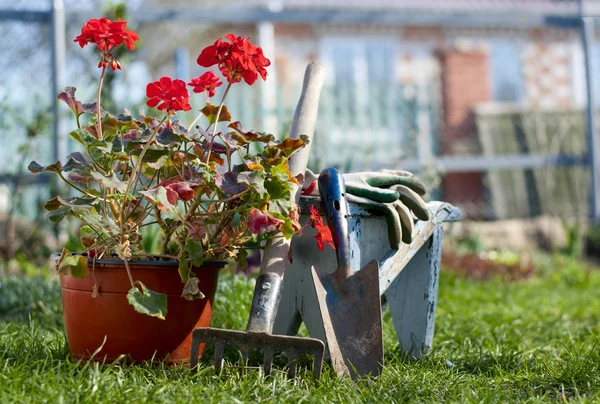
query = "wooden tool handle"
{"x": 305, "y": 119}
{"x": 267, "y": 292}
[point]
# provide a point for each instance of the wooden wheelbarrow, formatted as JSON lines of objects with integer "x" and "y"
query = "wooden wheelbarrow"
{"x": 408, "y": 277}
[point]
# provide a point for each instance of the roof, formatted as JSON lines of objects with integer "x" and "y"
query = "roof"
{"x": 431, "y": 6}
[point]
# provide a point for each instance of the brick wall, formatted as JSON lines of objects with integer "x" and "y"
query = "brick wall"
{"x": 465, "y": 78}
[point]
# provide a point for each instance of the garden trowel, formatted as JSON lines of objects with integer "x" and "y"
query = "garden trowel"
{"x": 349, "y": 300}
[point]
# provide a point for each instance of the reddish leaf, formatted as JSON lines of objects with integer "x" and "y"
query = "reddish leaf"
{"x": 210, "y": 112}
{"x": 262, "y": 222}
{"x": 183, "y": 190}
{"x": 250, "y": 136}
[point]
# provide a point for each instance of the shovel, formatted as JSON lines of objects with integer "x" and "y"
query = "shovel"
{"x": 349, "y": 300}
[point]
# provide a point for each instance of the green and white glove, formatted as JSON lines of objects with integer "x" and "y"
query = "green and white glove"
{"x": 395, "y": 193}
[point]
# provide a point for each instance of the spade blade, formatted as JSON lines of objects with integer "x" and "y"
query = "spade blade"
{"x": 351, "y": 312}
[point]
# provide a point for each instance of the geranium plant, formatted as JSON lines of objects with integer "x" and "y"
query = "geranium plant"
{"x": 212, "y": 188}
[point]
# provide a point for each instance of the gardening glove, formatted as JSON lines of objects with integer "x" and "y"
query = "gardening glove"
{"x": 395, "y": 193}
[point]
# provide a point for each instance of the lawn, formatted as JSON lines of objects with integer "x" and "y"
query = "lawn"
{"x": 530, "y": 340}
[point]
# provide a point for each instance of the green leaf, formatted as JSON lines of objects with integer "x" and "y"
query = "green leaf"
{"x": 241, "y": 258}
{"x": 35, "y": 168}
{"x": 156, "y": 158}
{"x": 281, "y": 205}
{"x": 110, "y": 182}
{"x": 113, "y": 125}
{"x": 255, "y": 179}
{"x": 184, "y": 269}
{"x": 58, "y": 207}
{"x": 279, "y": 188}
{"x": 210, "y": 112}
{"x": 194, "y": 250}
{"x": 90, "y": 142}
{"x": 73, "y": 264}
{"x": 287, "y": 229}
{"x": 76, "y": 204}
{"x": 59, "y": 214}
{"x": 160, "y": 197}
{"x": 168, "y": 138}
{"x": 105, "y": 223}
{"x": 73, "y": 164}
{"x": 147, "y": 301}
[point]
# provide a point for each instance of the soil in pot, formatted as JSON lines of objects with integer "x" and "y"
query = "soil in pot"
{"x": 89, "y": 320}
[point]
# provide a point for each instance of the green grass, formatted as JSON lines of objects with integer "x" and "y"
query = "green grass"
{"x": 535, "y": 340}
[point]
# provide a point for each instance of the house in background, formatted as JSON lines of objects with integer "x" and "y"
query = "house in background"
{"x": 404, "y": 77}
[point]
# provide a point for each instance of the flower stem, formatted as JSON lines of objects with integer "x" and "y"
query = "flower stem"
{"x": 135, "y": 173}
{"x": 129, "y": 273}
{"x": 212, "y": 138}
{"x": 98, "y": 108}
{"x": 194, "y": 122}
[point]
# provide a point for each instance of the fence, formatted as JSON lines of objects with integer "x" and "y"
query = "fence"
{"x": 485, "y": 98}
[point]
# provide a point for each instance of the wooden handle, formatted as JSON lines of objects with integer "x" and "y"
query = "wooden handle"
{"x": 275, "y": 254}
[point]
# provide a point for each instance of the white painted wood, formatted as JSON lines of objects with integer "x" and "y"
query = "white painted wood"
{"x": 412, "y": 297}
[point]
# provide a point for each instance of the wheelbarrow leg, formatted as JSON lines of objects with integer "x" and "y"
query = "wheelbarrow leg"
{"x": 412, "y": 297}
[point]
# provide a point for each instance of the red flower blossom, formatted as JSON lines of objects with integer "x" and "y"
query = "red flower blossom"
{"x": 237, "y": 59}
{"x": 262, "y": 222}
{"x": 106, "y": 34}
{"x": 169, "y": 95}
{"x": 323, "y": 233}
{"x": 207, "y": 82}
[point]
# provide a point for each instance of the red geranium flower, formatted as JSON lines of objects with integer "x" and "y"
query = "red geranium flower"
{"x": 169, "y": 95}
{"x": 237, "y": 59}
{"x": 207, "y": 82}
{"x": 323, "y": 233}
{"x": 107, "y": 35}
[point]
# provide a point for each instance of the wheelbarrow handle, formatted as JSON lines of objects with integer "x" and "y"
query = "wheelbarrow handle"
{"x": 333, "y": 199}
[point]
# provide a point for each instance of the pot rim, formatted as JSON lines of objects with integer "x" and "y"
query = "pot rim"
{"x": 56, "y": 256}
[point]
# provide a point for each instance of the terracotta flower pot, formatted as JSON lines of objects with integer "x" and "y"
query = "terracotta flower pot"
{"x": 88, "y": 320}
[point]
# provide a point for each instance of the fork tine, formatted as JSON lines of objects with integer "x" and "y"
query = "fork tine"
{"x": 218, "y": 359}
{"x": 293, "y": 361}
{"x": 270, "y": 344}
{"x": 244, "y": 356}
{"x": 268, "y": 361}
{"x": 318, "y": 363}
{"x": 194, "y": 351}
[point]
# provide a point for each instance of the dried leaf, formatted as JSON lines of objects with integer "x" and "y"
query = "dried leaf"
{"x": 191, "y": 290}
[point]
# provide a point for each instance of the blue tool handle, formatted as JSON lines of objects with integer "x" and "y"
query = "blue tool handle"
{"x": 333, "y": 199}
